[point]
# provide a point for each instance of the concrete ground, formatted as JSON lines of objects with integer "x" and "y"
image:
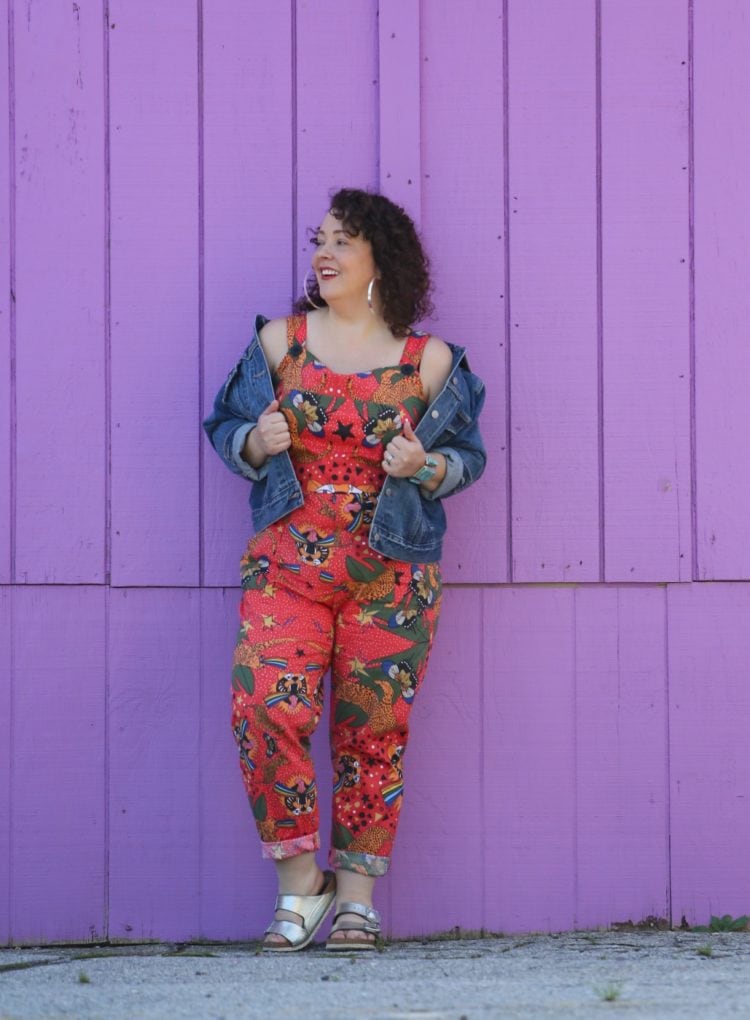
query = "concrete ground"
{"x": 650, "y": 974}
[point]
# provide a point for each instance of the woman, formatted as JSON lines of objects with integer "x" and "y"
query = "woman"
{"x": 351, "y": 426}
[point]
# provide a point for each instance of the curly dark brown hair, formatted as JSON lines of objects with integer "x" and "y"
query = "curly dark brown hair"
{"x": 404, "y": 268}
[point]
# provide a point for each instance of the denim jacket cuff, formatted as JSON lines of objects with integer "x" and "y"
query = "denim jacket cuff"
{"x": 454, "y": 472}
{"x": 238, "y": 442}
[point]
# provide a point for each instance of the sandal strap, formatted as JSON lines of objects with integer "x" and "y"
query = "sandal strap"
{"x": 297, "y": 904}
{"x": 294, "y": 933}
{"x": 370, "y": 914}
{"x": 301, "y": 904}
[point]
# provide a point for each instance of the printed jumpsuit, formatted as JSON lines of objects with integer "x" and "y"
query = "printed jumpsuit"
{"x": 316, "y": 596}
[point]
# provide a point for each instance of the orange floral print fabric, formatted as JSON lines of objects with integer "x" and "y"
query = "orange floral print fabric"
{"x": 315, "y": 596}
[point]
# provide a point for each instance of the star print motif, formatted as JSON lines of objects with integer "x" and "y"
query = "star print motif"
{"x": 343, "y": 431}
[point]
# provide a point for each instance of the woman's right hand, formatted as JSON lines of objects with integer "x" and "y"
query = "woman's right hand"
{"x": 270, "y": 436}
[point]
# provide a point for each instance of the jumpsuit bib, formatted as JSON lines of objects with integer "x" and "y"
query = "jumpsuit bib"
{"x": 316, "y": 596}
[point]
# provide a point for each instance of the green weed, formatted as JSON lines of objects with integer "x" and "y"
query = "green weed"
{"x": 610, "y": 993}
{"x": 725, "y": 923}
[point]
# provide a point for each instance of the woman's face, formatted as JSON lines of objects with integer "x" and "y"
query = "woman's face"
{"x": 344, "y": 265}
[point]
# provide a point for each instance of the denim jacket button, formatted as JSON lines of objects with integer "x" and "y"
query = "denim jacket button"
{"x": 435, "y": 414}
{"x": 375, "y": 536}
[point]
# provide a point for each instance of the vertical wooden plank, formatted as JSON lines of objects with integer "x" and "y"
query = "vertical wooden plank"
{"x": 645, "y": 283}
{"x": 553, "y": 314}
{"x": 248, "y": 172}
{"x": 237, "y": 887}
{"x": 622, "y": 843}
{"x": 5, "y": 761}
{"x": 154, "y": 288}
{"x": 399, "y": 93}
{"x": 58, "y": 765}
{"x": 528, "y": 781}
{"x": 438, "y": 844}
{"x": 7, "y": 199}
{"x": 59, "y": 180}
{"x": 709, "y": 702}
{"x": 154, "y": 728}
{"x": 463, "y": 225}
{"x": 334, "y": 150}
{"x": 721, "y": 82}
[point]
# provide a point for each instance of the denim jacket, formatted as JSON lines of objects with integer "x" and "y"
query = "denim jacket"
{"x": 409, "y": 521}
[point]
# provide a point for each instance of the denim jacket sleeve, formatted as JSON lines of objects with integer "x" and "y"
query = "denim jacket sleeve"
{"x": 461, "y": 443}
{"x": 236, "y": 410}
{"x": 227, "y": 426}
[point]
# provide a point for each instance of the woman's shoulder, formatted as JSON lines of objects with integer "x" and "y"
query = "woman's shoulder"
{"x": 273, "y": 330}
{"x": 438, "y": 351}
{"x": 273, "y": 340}
{"x": 436, "y": 364}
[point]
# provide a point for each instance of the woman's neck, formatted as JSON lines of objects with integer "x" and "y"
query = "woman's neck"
{"x": 351, "y": 321}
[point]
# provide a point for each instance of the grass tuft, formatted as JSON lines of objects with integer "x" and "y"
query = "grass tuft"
{"x": 610, "y": 992}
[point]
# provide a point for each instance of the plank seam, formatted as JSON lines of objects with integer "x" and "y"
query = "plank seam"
{"x": 12, "y": 757}
{"x": 599, "y": 289}
{"x": 506, "y": 224}
{"x": 418, "y": 174}
{"x": 12, "y": 281}
{"x": 691, "y": 296}
{"x": 107, "y": 308}
{"x": 484, "y": 920}
{"x": 668, "y": 759}
{"x": 201, "y": 396}
{"x": 107, "y": 778}
{"x": 201, "y": 293}
{"x": 198, "y": 772}
{"x": 576, "y": 802}
{"x": 108, "y": 459}
{"x": 379, "y": 69}
{"x": 295, "y": 156}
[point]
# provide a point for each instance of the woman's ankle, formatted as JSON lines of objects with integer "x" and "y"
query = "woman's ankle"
{"x": 299, "y": 875}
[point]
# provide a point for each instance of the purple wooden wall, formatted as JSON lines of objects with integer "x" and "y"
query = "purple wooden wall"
{"x": 579, "y": 173}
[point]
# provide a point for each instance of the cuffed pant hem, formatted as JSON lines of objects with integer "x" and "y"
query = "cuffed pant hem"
{"x": 281, "y": 849}
{"x": 363, "y": 864}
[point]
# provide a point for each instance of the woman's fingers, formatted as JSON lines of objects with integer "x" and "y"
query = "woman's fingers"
{"x": 273, "y": 430}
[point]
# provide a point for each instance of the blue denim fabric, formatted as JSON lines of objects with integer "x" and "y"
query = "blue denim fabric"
{"x": 408, "y": 522}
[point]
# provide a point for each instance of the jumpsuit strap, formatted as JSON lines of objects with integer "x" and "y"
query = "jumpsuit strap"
{"x": 414, "y": 349}
{"x": 296, "y": 334}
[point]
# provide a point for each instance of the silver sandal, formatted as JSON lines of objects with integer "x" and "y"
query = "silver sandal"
{"x": 312, "y": 909}
{"x": 371, "y": 925}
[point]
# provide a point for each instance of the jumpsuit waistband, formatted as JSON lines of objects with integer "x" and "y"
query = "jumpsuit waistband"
{"x": 350, "y": 490}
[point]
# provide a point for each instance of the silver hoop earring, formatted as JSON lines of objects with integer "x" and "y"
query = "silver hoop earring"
{"x": 370, "y": 285}
{"x": 307, "y": 293}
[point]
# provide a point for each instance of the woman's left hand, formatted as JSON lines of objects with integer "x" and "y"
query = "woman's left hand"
{"x": 404, "y": 455}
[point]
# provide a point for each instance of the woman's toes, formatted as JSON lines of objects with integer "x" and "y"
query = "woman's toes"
{"x": 352, "y": 933}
